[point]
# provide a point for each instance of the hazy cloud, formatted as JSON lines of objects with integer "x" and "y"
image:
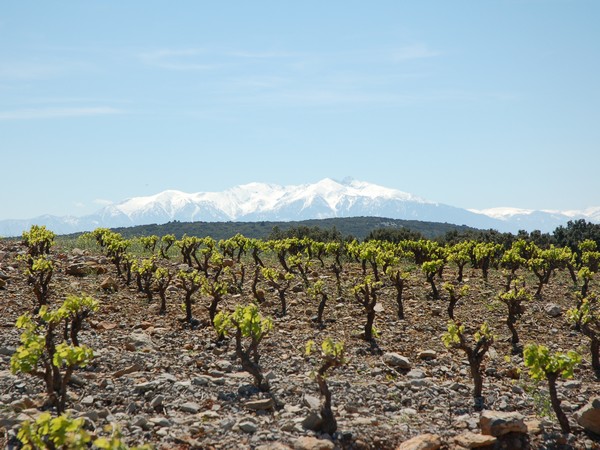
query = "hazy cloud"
{"x": 103, "y": 202}
{"x": 414, "y": 51}
{"x": 35, "y": 70}
{"x": 182, "y": 59}
{"x": 56, "y": 113}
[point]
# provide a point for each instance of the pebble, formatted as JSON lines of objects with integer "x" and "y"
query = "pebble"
{"x": 190, "y": 407}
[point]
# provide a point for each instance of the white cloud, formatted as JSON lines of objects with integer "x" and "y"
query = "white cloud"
{"x": 55, "y": 113}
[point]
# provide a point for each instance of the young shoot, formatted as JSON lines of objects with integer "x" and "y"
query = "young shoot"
{"x": 475, "y": 350}
{"x": 42, "y": 355}
{"x": 366, "y": 294}
{"x": 587, "y": 316}
{"x": 333, "y": 355}
{"x": 543, "y": 364}
{"x": 317, "y": 291}
{"x": 455, "y": 294}
{"x": 190, "y": 283}
{"x": 513, "y": 299}
{"x": 250, "y": 329}
{"x": 281, "y": 281}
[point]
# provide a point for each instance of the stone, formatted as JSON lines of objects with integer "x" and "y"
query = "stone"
{"x": 7, "y": 351}
{"x": 88, "y": 400}
{"x": 313, "y": 421}
{"x": 139, "y": 341}
{"x": 260, "y": 404}
{"x": 161, "y": 422}
{"x": 106, "y": 326}
{"x": 200, "y": 381}
{"x": 91, "y": 415}
{"x": 146, "y": 387}
{"x": 422, "y": 442}
{"x": 78, "y": 269}
{"x": 396, "y": 360}
{"x": 103, "y": 413}
{"x": 131, "y": 369}
{"x": 589, "y": 416}
{"x": 273, "y": 446}
{"x": 248, "y": 425}
{"x": 312, "y": 443}
{"x": 166, "y": 376}
{"x": 157, "y": 402}
{"x": 427, "y": 355}
{"x": 534, "y": 426}
{"x": 311, "y": 401}
{"x": 109, "y": 284}
{"x": 224, "y": 365}
{"x": 2, "y": 283}
{"x": 141, "y": 422}
{"x": 498, "y": 423}
{"x": 22, "y": 404}
{"x": 4, "y": 276}
{"x": 468, "y": 439}
{"x": 132, "y": 408}
{"x": 190, "y": 407}
{"x": 415, "y": 374}
{"x": 553, "y": 310}
{"x": 572, "y": 384}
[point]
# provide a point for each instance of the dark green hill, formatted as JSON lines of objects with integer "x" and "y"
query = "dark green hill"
{"x": 358, "y": 227}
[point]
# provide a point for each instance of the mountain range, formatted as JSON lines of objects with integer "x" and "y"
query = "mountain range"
{"x": 323, "y": 199}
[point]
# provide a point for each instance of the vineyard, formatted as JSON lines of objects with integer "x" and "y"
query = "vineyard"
{"x": 241, "y": 343}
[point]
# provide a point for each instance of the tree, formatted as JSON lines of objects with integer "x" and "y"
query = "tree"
{"x": 249, "y": 325}
{"x": 300, "y": 263}
{"x": 149, "y": 243}
{"x": 460, "y": 255}
{"x": 485, "y": 256}
{"x": 317, "y": 291}
{"x": 587, "y": 316}
{"x": 366, "y": 294}
{"x": 75, "y": 309}
{"x": 281, "y": 281}
{"x": 215, "y": 290}
{"x": 165, "y": 244}
{"x": 190, "y": 282}
{"x": 144, "y": 273}
{"x": 513, "y": 299}
{"x": 188, "y": 245}
{"x": 431, "y": 269}
{"x": 163, "y": 279}
{"x": 40, "y": 354}
{"x": 475, "y": 352}
{"x": 514, "y": 259}
{"x": 398, "y": 278}
{"x": 39, "y": 275}
{"x": 333, "y": 356}
{"x": 455, "y": 293}
{"x": 543, "y": 364}
{"x": 38, "y": 241}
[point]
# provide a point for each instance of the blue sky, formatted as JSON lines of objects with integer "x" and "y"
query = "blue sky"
{"x": 470, "y": 103}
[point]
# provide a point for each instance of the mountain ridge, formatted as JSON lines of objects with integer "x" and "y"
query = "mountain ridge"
{"x": 326, "y": 198}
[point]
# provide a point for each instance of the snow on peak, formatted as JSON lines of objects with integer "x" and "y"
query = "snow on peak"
{"x": 502, "y": 212}
{"x": 252, "y": 198}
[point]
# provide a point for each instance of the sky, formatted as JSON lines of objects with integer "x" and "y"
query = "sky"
{"x": 475, "y": 104}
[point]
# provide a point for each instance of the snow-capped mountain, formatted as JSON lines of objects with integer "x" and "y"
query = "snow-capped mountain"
{"x": 324, "y": 199}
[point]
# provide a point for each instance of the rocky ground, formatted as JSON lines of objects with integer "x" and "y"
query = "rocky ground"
{"x": 179, "y": 388}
